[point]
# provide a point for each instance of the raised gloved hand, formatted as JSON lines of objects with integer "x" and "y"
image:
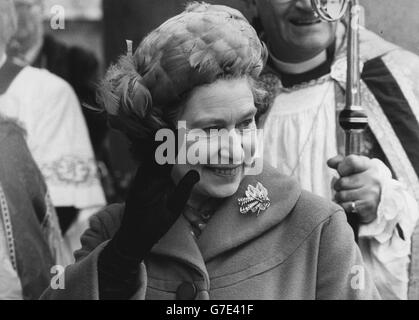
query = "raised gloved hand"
{"x": 153, "y": 205}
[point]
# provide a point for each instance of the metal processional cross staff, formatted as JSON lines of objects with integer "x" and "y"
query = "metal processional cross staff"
{"x": 352, "y": 119}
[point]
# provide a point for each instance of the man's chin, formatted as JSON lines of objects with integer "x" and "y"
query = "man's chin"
{"x": 310, "y": 40}
{"x": 315, "y": 42}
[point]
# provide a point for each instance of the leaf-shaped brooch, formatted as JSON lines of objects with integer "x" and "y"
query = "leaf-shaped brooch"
{"x": 256, "y": 200}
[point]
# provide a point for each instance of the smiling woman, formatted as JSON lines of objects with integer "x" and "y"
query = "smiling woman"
{"x": 224, "y": 104}
{"x": 207, "y": 229}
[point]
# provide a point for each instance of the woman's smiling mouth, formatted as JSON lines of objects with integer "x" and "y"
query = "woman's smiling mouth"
{"x": 225, "y": 171}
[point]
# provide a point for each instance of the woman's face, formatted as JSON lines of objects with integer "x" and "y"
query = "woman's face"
{"x": 223, "y": 106}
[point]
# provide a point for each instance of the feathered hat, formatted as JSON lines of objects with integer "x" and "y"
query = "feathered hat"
{"x": 197, "y": 47}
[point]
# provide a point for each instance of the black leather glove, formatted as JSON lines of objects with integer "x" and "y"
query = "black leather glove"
{"x": 153, "y": 205}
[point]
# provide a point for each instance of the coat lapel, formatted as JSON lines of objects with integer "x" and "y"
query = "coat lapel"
{"x": 228, "y": 228}
{"x": 178, "y": 243}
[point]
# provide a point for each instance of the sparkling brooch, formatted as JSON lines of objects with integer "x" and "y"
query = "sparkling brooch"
{"x": 256, "y": 200}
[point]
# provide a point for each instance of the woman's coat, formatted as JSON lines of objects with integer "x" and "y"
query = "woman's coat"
{"x": 301, "y": 247}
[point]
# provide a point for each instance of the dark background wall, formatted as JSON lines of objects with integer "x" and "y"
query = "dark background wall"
{"x": 133, "y": 19}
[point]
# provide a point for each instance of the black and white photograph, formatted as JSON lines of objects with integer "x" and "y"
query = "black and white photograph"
{"x": 238, "y": 151}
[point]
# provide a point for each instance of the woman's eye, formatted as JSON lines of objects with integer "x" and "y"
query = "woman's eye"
{"x": 246, "y": 124}
{"x": 209, "y": 129}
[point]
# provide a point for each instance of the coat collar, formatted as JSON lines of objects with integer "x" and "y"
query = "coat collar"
{"x": 228, "y": 228}
{"x": 179, "y": 243}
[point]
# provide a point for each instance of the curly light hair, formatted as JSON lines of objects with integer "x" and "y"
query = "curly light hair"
{"x": 143, "y": 93}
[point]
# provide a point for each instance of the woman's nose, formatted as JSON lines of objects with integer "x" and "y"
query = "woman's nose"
{"x": 231, "y": 149}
